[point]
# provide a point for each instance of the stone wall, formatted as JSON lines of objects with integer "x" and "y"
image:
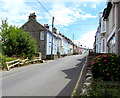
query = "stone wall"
{"x": 34, "y": 28}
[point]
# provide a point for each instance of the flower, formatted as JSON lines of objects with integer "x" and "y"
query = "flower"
{"x": 89, "y": 67}
{"x": 93, "y": 63}
{"x": 107, "y": 74}
{"x": 105, "y": 56}
{"x": 105, "y": 60}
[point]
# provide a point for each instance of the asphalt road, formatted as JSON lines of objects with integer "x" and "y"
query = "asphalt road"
{"x": 53, "y": 78}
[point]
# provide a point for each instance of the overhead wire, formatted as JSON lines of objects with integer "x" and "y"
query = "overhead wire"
{"x": 48, "y": 12}
{"x": 45, "y": 8}
{"x": 60, "y": 23}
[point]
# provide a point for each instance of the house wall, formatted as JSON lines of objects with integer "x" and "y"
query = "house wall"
{"x": 98, "y": 40}
{"x": 55, "y": 43}
{"x": 103, "y": 36}
{"x": 59, "y": 45}
{"x": 35, "y": 31}
{"x": 119, "y": 29}
{"x": 49, "y": 41}
{"x": 111, "y": 31}
{"x": 119, "y": 16}
{"x": 71, "y": 48}
{"x": 112, "y": 28}
{"x": 111, "y": 20}
{"x": 112, "y": 35}
{"x": 65, "y": 46}
{"x": 103, "y": 26}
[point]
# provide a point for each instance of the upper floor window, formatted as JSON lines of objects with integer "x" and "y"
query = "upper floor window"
{"x": 25, "y": 27}
{"x": 103, "y": 45}
{"x": 42, "y": 35}
{"x": 111, "y": 45}
{"x": 104, "y": 26}
{"x": 113, "y": 15}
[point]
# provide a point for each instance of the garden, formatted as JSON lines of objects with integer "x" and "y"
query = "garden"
{"x": 103, "y": 76}
{"x": 15, "y": 44}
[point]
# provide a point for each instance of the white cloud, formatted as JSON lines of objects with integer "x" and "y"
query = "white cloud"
{"x": 70, "y": 0}
{"x": 94, "y": 6}
{"x": 67, "y": 15}
{"x": 87, "y": 39}
{"x": 16, "y": 11}
{"x": 77, "y": 5}
{"x": 88, "y": 16}
{"x": 84, "y": 4}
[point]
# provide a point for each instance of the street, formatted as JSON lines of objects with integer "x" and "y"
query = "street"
{"x": 53, "y": 78}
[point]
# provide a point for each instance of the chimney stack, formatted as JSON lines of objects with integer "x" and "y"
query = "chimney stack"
{"x": 32, "y": 16}
{"x": 46, "y": 25}
{"x": 54, "y": 30}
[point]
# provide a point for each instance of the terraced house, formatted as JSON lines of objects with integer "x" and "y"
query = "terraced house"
{"x": 66, "y": 45}
{"x": 111, "y": 32}
{"x": 100, "y": 41}
{"x": 43, "y": 36}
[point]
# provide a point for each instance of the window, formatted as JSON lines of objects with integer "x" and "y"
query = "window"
{"x": 103, "y": 45}
{"x": 25, "y": 28}
{"x": 111, "y": 45}
{"x": 42, "y": 35}
{"x": 104, "y": 26}
{"x": 113, "y": 15}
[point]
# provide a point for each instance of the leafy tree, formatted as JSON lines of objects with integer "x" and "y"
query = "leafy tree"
{"x": 16, "y": 42}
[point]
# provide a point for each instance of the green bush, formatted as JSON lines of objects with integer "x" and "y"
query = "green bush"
{"x": 5, "y": 59}
{"x": 105, "y": 89}
{"x": 16, "y": 42}
{"x": 58, "y": 53}
{"x": 106, "y": 67}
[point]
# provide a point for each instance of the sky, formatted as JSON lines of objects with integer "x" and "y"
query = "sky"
{"x": 72, "y": 17}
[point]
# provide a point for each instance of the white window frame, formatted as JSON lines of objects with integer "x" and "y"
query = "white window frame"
{"x": 111, "y": 43}
{"x": 103, "y": 45}
{"x": 42, "y": 34}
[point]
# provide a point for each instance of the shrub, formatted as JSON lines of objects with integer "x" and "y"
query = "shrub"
{"x": 106, "y": 67}
{"x": 16, "y": 42}
{"x": 5, "y": 59}
{"x": 105, "y": 89}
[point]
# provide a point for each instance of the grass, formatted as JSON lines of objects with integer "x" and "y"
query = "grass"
{"x": 105, "y": 89}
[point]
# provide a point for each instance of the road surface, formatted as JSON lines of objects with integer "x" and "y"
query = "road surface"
{"x": 53, "y": 78}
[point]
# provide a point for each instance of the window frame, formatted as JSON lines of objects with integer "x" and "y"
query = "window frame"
{"x": 42, "y": 35}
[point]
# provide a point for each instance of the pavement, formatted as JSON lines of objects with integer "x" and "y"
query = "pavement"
{"x": 53, "y": 78}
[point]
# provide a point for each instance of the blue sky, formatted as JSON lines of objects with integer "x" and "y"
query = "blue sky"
{"x": 71, "y": 16}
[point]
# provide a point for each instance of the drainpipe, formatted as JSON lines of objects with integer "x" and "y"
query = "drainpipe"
{"x": 117, "y": 47}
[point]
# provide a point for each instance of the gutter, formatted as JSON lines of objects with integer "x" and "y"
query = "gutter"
{"x": 79, "y": 79}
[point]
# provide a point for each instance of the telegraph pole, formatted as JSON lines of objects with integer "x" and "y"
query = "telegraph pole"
{"x": 52, "y": 37}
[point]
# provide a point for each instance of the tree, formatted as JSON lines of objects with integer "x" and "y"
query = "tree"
{"x": 16, "y": 42}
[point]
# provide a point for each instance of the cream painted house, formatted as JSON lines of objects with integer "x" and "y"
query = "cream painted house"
{"x": 107, "y": 38}
{"x": 112, "y": 18}
{"x": 103, "y": 34}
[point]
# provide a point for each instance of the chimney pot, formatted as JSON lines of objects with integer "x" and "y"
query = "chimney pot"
{"x": 46, "y": 25}
{"x": 54, "y": 30}
{"x": 32, "y": 16}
